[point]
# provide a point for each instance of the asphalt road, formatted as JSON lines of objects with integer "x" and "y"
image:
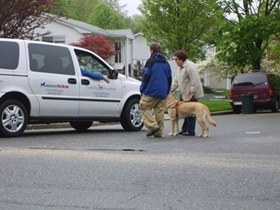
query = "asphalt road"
{"x": 237, "y": 167}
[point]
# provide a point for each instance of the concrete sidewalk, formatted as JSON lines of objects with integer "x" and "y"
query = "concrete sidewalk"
{"x": 96, "y": 123}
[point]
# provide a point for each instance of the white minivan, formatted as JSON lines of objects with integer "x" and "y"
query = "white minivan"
{"x": 42, "y": 83}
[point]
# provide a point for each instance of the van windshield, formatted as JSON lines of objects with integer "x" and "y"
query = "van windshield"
{"x": 249, "y": 80}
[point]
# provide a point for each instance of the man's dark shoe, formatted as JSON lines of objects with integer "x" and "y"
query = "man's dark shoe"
{"x": 152, "y": 132}
{"x": 181, "y": 132}
{"x": 157, "y": 136}
{"x": 187, "y": 134}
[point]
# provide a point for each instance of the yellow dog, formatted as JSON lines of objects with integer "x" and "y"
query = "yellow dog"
{"x": 179, "y": 109}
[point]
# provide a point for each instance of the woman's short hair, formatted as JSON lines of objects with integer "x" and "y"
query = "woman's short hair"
{"x": 181, "y": 55}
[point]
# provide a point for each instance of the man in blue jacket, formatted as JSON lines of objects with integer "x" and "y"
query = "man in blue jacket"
{"x": 155, "y": 86}
{"x": 90, "y": 74}
{"x": 94, "y": 75}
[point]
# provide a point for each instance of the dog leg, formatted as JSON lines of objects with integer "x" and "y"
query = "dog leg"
{"x": 204, "y": 128}
{"x": 199, "y": 120}
{"x": 172, "y": 127}
{"x": 176, "y": 127}
{"x": 206, "y": 132}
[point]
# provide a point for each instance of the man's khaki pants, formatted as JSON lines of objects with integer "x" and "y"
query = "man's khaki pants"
{"x": 151, "y": 121}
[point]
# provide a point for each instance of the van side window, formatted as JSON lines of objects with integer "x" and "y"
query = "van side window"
{"x": 50, "y": 59}
{"x": 9, "y": 55}
{"x": 91, "y": 63}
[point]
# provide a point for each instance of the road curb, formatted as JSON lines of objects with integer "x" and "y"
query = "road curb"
{"x": 96, "y": 123}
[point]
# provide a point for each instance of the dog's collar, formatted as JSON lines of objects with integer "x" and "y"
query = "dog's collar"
{"x": 175, "y": 104}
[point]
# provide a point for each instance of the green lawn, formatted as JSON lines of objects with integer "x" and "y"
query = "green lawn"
{"x": 217, "y": 105}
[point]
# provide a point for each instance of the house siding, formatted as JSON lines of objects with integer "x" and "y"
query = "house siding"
{"x": 74, "y": 30}
{"x": 58, "y": 29}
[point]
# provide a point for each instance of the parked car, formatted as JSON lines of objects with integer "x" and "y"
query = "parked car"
{"x": 208, "y": 89}
{"x": 263, "y": 86}
{"x": 42, "y": 83}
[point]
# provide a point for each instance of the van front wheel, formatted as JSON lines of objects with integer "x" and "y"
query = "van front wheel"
{"x": 131, "y": 119}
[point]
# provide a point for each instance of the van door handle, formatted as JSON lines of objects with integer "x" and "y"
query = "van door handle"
{"x": 72, "y": 81}
{"x": 85, "y": 82}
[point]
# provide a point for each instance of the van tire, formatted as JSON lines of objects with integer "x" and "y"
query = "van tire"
{"x": 275, "y": 106}
{"x": 81, "y": 125}
{"x": 131, "y": 119}
{"x": 236, "y": 109}
{"x": 14, "y": 118}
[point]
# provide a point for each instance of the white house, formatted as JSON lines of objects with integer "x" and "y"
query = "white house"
{"x": 68, "y": 31}
{"x": 141, "y": 53}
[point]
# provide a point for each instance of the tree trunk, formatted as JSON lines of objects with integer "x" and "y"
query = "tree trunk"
{"x": 257, "y": 65}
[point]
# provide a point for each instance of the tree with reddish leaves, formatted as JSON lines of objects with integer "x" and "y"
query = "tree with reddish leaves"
{"x": 98, "y": 44}
{"x": 19, "y": 18}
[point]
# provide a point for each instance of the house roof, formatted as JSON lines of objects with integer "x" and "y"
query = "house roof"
{"x": 126, "y": 33}
{"x": 139, "y": 34}
{"x": 85, "y": 28}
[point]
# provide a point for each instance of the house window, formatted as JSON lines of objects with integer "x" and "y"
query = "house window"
{"x": 54, "y": 39}
{"x": 118, "y": 49}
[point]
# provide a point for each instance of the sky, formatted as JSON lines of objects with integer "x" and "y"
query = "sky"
{"x": 131, "y": 6}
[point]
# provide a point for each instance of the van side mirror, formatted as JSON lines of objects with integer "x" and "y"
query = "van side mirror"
{"x": 114, "y": 74}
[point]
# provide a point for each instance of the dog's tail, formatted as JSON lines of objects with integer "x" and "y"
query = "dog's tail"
{"x": 210, "y": 119}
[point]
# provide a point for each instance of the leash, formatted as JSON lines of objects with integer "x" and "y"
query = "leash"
{"x": 175, "y": 106}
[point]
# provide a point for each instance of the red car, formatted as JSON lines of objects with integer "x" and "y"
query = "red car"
{"x": 264, "y": 88}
